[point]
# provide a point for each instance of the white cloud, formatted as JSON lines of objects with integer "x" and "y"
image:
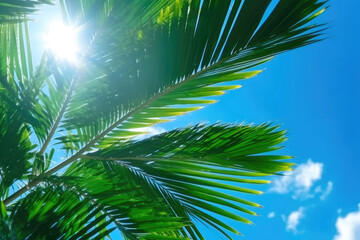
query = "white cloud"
{"x": 327, "y": 191}
{"x": 271, "y": 215}
{"x": 293, "y": 220}
{"x": 307, "y": 174}
{"x": 348, "y": 227}
{"x": 150, "y": 131}
{"x": 300, "y": 181}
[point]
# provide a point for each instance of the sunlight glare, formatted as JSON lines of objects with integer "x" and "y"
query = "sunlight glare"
{"x": 62, "y": 41}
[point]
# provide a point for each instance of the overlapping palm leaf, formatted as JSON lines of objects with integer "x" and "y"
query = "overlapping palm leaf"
{"x": 51, "y": 212}
{"x": 196, "y": 164}
{"x": 14, "y": 160}
{"x": 16, "y": 66}
{"x": 141, "y": 72}
{"x": 16, "y": 149}
{"x": 26, "y": 90}
{"x": 22, "y": 84}
{"x": 12, "y": 11}
{"x": 128, "y": 199}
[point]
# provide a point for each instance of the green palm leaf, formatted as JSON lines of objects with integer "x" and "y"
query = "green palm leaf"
{"x": 16, "y": 149}
{"x": 128, "y": 199}
{"x": 33, "y": 95}
{"x": 14, "y": 160}
{"x": 191, "y": 163}
{"x": 55, "y": 213}
{"x": 12, "y": 11}
{"x": 195, "y": 51}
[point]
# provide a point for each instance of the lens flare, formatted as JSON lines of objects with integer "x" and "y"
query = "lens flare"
{"x": 62, "y": 41}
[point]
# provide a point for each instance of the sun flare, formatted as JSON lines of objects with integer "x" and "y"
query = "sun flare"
{"x": 62, "y": 40}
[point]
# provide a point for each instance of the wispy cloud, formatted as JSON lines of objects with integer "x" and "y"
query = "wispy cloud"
{"x": 327, "y": 191}
{"x": 348, "y": 227}
{"x": 271, "y": 215}
{"x": 293, "y": 220}
{"x": 301, "y": 180}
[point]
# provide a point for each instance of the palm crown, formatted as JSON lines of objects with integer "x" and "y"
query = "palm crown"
{"x": 143, "y": 62}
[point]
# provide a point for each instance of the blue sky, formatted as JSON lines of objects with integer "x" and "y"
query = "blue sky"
{"x": 314, "y": 93}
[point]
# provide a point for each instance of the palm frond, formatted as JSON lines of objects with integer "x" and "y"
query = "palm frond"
{"x": 32, "y": 94}
{"x": 196, "y": 164}
{"x": 140, "y": 73}
{"x": 50, "y": 212}
{"x": 16, "y": 149}
{"x": 13, "y": 11}
{"x": 52, "y": 97}
{"x": 20, "y": 82}
{"x": 15, "y": 55}
{"x": 136, "y": 207}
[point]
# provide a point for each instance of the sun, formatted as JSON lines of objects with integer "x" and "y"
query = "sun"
{"x": 62, "y": 41}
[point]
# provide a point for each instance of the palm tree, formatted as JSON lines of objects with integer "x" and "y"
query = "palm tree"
{"x": 143, "y": 62}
